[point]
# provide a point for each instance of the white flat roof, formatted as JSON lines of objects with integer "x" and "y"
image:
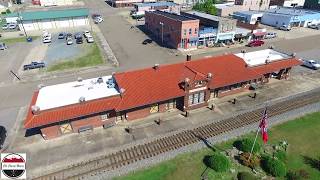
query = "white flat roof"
{"x": 259, "y": 57}
{"x": 69, "y": 93}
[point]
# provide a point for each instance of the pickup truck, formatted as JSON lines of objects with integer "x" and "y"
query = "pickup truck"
{"x": 34, "y": 65}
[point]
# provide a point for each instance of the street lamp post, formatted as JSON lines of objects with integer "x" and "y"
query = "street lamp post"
{"x": 161, "y": 23}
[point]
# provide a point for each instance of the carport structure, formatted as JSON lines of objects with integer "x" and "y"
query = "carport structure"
{"x": 51, "y": 19}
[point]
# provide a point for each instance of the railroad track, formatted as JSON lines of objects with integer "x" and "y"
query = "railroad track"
{"x": 184, "y": 138}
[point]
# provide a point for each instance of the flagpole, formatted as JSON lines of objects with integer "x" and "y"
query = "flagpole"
{"x": 254, "y": 142}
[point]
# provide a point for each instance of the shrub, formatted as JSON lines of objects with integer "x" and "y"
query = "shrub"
{"x": 3, "y": 12}
{"x": 298, "y": 175}
{"x": 252, "y": 163}
{"x": 281, "y": 155}
{"x": 246, "y": 176}
{"x": 246, "y": 145}
{"x": 274, "y": 167}
{"x": 8, "y": 11}
{"x": 218, "y": 162}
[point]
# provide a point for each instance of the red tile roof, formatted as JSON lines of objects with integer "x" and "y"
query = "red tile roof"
{"x": 147, "y": 86}
{"x": 68, "y": 112}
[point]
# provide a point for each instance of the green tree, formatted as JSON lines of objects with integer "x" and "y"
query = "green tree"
{"x": 206, "y": 7}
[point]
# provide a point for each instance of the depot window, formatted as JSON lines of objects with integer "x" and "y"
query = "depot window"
{"x": 196, "y": 98}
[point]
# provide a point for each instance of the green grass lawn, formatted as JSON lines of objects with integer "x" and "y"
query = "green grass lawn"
{"x": 302, "y": 135}
{"x": 92, "y": 58}
{"x": 17, "y": 40}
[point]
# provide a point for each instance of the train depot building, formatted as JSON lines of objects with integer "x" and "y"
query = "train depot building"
{"x": 104, "y": 101}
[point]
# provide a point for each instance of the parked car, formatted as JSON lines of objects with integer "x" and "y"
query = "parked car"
{"x": 147, "y": 41}
{"x": 79, "y": 40}
{"x": 12, "y": 26}
{"x": 285, "y": 28}
{"x": 311, "y": 64}
{"x": 256, "y": 43}
{"x": 5, "y": 26}
{"x": 270, "y": 35}
{"x": 86, "y": 33}
{"x": 46, "y": 37}
{"x": 77, "y": 35}
{"x": 90, "y": 39}
{"x": 69, "y": 41}
{"x": 3, "y": 46}
{"x": 314, "y": 26}
{"x": 61, "y": 35}
{"x": 97, "y": 18}
{"x": 34, "y": 65}
{"x": 3, "y": 135}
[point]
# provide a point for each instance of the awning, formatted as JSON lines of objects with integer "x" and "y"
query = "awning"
{"x": 259, "y": 33}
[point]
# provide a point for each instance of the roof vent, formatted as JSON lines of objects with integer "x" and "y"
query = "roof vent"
{"x": 35, "y": 109}
{"x": 156, "y": 66}
{"x": 188, "y": 57}
{"x": 82, "y": 99}
{"x": 99, "y": 80}
{"x": 267, "y": 61}
{"x": 293, "y": 54}
{"x": 209, "y": 75}
{"x": 122, "y": 90}
{"x": 271, "y": 47}
{"x": 79, "y": 79}
{"x": 243, "y": 51}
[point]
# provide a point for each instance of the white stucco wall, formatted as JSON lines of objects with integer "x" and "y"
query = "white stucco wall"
{"x": 58, "y": 23}
{"x": 275, "y": 20}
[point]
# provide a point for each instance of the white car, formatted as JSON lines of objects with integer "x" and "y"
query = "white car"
{"x": 5, "y": 27}
{"x": 69, "y": 41}
{"x": 285, "y": 28}
{"x": 12, "y": 26}
{"x": 270, "y": 35}
{"x": 311, "y": 64}
{"x": 98, "y": 19}
{"x": 86, "y": 33}
{"x": 46, "y": 37}
{"x": 90, "y": 39}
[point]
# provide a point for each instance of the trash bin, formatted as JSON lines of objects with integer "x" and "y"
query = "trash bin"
{"x": 29, "y": 39}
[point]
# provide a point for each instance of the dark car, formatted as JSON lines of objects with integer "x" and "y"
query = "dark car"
{"x": 34, "y": 65}
{"x": 3, "y": 46}
{"x": 69, "y": 35}
{"x": 78, "y": 35}
{"x": 147, "y": 41}
{"x": 61, "y": 35}
{"x": 255, "y": 43}
{"x": 3, "y": 135}
{"x": 79, "y": 40}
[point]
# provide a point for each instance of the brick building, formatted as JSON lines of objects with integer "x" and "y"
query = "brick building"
{"x": 85, "y": 104}
{"x": 173, "y": 30}
{"x": 227, "y": 9}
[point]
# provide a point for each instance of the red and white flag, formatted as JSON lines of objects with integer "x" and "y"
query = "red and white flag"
{"x": 263, "y": 126}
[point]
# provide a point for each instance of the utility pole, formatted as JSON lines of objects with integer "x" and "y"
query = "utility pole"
{"x": 21, "y": 21}
{"x": 161, "y": 23}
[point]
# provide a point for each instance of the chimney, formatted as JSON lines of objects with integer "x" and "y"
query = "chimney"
{"x": 82, "y": 99}
{"x": 209, "y": 75}
{"x": 156, "y": 66}
{"x": 35, "y": 110}
{"x": 188, "y": 57}
{"x": 79, "y": 79}
{"x": 122, "y": 90}
{"x": 271, "y": 47}
{"x": 293, "y": 54}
